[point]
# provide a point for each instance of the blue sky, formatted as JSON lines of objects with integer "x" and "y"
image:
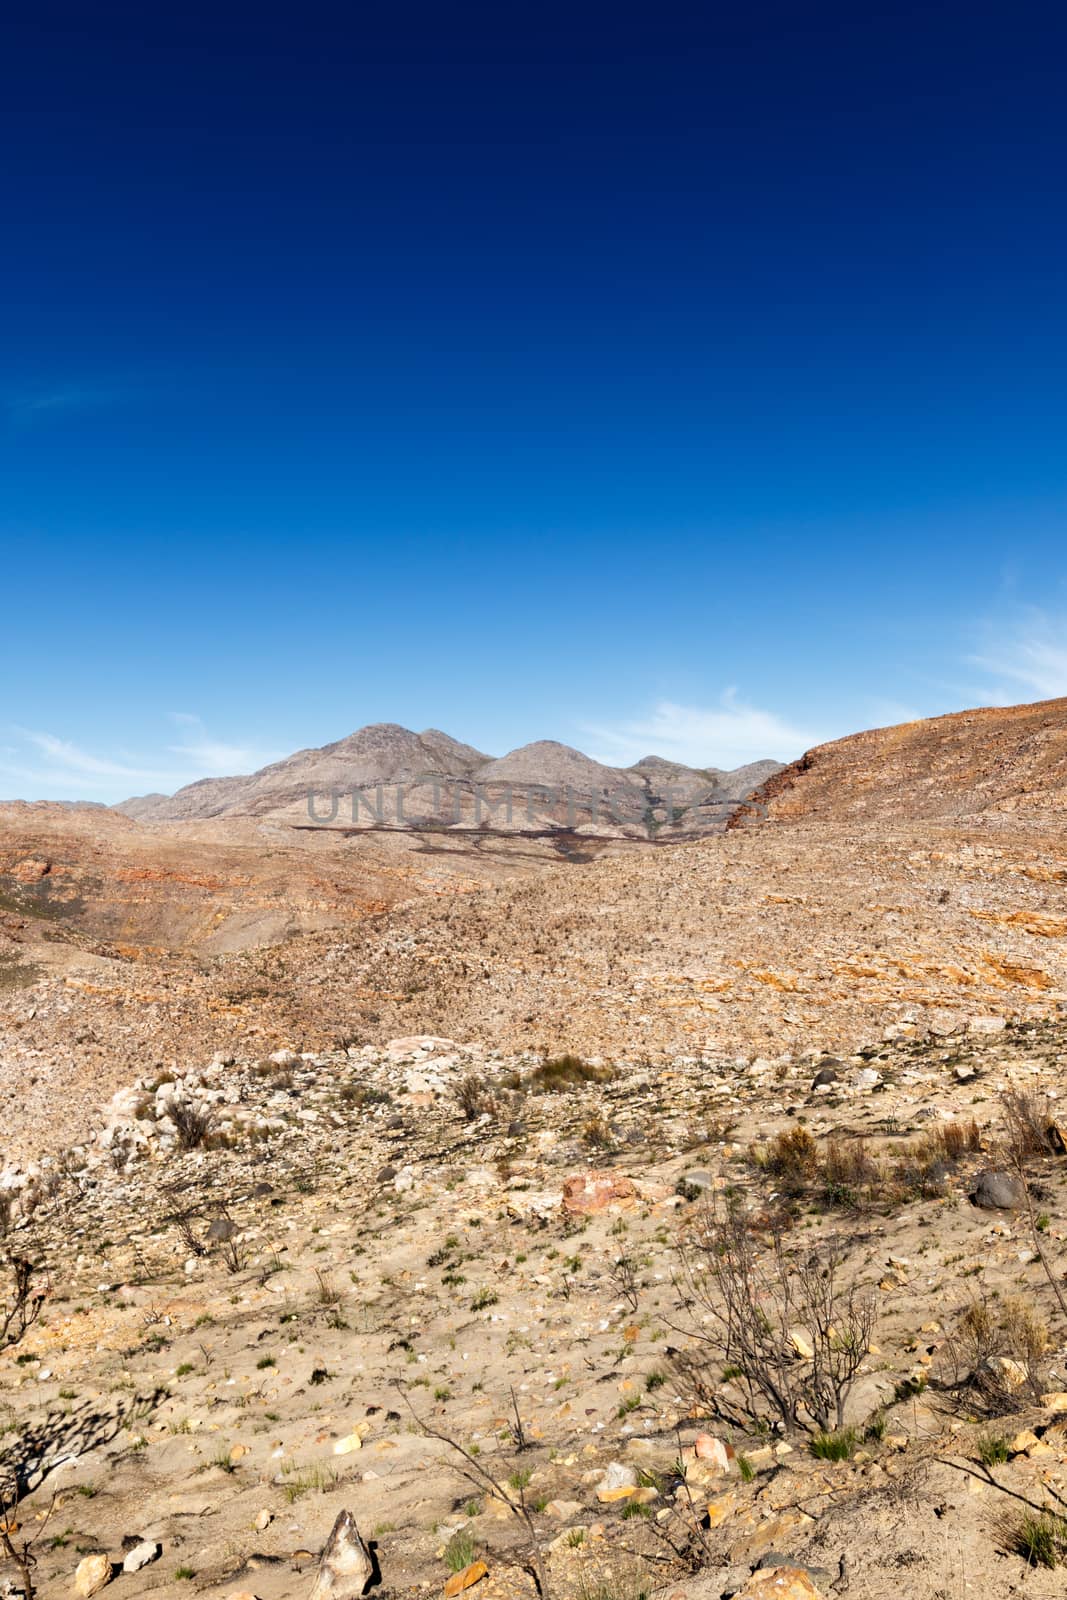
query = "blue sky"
{"x": 679, "y": 378}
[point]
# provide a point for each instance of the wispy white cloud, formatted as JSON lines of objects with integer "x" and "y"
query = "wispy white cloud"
{"x": 728, "y": 734}
{"x": 43, "y": 404}
{"x": 1029, "y": 651}
{"x": 214, "y": 757}
{"x": 40, "y": 765}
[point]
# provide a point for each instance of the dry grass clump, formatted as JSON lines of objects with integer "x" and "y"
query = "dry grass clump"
{"x": 1040, "y": 1537}
{"x": 1030, "y": 1126}
{"x": 193, "y": 1122}
{"x": 560, "y": 1074}
{"x": 849, "y": 1173}
{"x": 995, "y": 1355}
{"x": 476, "y": 1097}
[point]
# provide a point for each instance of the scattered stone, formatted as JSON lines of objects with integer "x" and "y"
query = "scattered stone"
{"x": 779, "y": 1583}
{"x": 712, "y": 1452}
{"x": 466, "y": 1579}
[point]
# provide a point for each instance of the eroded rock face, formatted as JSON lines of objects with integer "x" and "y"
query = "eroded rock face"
{"x": 346, "y": 1567}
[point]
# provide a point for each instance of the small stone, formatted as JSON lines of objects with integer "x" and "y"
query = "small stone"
{"x": 467, "y": 1578}
{"x": 264, "y": 1519}
{"x": 238, "y": 1453}
{"x": 563, "y": 1510}
{"x": 142, "y": 1555}
{"x": 345, "y": 1446}
{"x": 779, "y": 1583}
{"x": 798, "y": 1338}
{"x": 1055, "y": 1401}
{"x": 617, "y": 1475}
{"x": 1022, "y": 1442}
{"x": 719, "y": 1510}
{"x": 93, "y": 1574}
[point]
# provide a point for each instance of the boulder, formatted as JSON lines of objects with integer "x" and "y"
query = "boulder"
{"x": 998, "y": 1191}
{"x": 94, "y": 1573}
{"x": 346, "y": 1567}
{"x": 587, "y": 1193}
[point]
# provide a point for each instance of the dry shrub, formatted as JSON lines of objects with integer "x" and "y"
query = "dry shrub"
{"x": 792, "y": 1157}
{"x": 744, "y": 1298}
{"x": 193, "y": 1122}
{"x": 597, "y": 1134}
{"x": 476, "y": 1097}
{"x": 1027, "y": 1123}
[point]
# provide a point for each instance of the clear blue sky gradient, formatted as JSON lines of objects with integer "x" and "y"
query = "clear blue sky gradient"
{"x": 526, "y": 371}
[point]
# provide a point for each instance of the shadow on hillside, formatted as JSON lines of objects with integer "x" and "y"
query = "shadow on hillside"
{"x": 64, "y": 1437}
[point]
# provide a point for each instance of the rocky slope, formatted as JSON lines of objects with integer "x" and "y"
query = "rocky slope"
{"x": 1000, "y": 759}
{"x": 370, "y": 1260}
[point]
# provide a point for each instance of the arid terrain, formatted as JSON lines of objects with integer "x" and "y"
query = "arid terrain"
{"x": 675, "y": 1211}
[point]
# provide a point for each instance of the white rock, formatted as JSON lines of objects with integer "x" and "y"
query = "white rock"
{"x": 142, "y": 1555}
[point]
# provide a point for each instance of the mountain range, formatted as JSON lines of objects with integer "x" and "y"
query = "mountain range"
{"x": 386, "y": 775}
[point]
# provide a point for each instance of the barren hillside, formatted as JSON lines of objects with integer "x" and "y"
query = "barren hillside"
{"x": 1004, "y": 759}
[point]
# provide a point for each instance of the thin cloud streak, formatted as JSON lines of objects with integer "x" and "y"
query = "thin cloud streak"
{"x": 1032, "y": 651}
{"x": 728, "y": 734}
{"x": 64, "y": 769}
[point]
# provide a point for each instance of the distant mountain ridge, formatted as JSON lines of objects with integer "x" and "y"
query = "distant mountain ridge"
{"x": 401, "y": 779}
